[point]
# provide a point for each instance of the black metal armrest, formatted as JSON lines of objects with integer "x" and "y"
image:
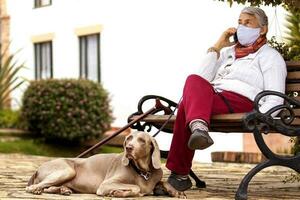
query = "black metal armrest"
{"x": 169, "y": 106}
{"x": 265, "y": 122}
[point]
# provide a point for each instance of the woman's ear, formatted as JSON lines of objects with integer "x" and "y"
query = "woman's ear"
{"x": 264, "y": 30}
{"x": 155, "y": 155}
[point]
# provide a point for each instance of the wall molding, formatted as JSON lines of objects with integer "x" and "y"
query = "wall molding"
{"x": 42, "y": 38}
{"x": 88, "y": 30}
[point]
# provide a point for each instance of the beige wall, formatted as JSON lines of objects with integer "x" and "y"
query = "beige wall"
{"x": 5, "y": 38}
{"x": 276, "y": 142}
{"x": 5, "y": 19}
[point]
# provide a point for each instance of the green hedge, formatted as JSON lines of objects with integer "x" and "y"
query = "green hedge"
{"x": 9, "y": 118}
{"x": 66, "y": 109}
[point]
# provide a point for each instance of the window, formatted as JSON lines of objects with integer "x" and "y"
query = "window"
{"x": 42, "y": 3}
{"x": 89, "y": 50}
{"x": 43, "y": 60}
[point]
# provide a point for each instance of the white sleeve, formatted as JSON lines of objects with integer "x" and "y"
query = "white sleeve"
{"x": 209, "y": 66}
{"x": 274, "y": 74}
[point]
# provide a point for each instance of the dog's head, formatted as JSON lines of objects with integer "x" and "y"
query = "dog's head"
{"x": 141, "y": 146}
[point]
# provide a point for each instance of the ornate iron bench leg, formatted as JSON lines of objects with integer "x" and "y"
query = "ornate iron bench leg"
{"x": 199, "y": 183}
{"x": 241, "y": 193}
{"x": 292, "y": 162}
{"x": 260, "y": 123}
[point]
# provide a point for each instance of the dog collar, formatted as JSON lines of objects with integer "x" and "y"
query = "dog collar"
{"x": 143, "y": 174}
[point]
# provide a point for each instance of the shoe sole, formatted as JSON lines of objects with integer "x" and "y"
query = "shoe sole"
{"x": 200, "y": 141}
{"x": 180, "y": 186}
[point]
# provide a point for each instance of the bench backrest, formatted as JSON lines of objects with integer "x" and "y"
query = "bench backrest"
{"x": 293, "y": 85}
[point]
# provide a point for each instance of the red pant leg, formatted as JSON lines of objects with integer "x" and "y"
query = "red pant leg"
{"x": 238, "y": 103}
{"x": 199, "y": 102}
{"x": 197, "y": 99}
{"x": 196, "y": 104}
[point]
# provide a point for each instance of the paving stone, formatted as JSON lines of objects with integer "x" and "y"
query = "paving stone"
{"x": 222, "y": 181}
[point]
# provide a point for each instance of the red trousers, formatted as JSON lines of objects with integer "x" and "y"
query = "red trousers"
{"x": 200, "y": 101}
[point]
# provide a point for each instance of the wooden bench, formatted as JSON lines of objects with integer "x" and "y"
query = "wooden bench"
{"x": 287, "y": 123}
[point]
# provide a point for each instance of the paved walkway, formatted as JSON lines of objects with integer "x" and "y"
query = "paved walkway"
{"x": 222, "y": 181}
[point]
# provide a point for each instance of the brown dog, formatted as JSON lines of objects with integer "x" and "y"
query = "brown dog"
{"x": 134, "y": 172}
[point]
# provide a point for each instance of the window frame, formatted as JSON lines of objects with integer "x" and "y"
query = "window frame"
{"x": 38, "y": 55}
{"x": 38, "y": 4}
{"x": 84, "y": 64}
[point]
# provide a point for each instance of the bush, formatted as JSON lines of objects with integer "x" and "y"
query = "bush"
{"x": 67, "y": 109}
{"x": 287, "y": 52}
{"x": 9, "y": 118}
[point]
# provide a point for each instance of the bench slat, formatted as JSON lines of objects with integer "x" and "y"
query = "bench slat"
{"x": 297, "y": 98}
{"x": 234, "y": 117}
{"x": 156, "y": 118}
{"x": 297, "y": 112}
{"x": 224, "y": 118}
{"x": 296, "y": 122}
{"x": 232, "y": 124}
{"x": 293, "y": 76}
{"x": 220, "y": 123}
{"x": 292, "y": 87}
{"x": 293, "y": 65}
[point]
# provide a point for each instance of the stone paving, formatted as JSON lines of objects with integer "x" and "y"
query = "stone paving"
{"x": 222, "y": 181}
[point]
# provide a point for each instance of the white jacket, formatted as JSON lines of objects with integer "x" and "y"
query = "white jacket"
{"x": 263, "y": 70}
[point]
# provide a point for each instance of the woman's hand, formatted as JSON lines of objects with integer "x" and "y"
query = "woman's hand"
{"x": 224, "y": 39}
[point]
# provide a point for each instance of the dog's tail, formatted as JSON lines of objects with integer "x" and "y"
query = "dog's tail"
{"x": 32, "y": 179}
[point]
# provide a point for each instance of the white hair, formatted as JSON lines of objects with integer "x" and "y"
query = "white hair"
{"x": 258, "y": 13}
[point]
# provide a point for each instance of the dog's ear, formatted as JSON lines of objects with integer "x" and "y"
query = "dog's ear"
{"x": 125, "y": 160}
{"x": 155, "y": 154}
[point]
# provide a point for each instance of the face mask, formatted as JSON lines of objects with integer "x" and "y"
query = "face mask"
{"x": 246, "y": 35}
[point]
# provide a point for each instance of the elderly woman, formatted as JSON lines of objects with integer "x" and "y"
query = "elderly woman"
{"x": 228, "y": 81}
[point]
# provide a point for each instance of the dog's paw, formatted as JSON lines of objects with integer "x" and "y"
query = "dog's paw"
{"x": 124, "y": 193}
{"x": 34, "y": 189}
{"x": 117, "y": 193}
{"x": 65, "y": 191}
{"x": 181, "y": 195}
{"x": 171, "y": 191}
{"x": 160, "y": 190}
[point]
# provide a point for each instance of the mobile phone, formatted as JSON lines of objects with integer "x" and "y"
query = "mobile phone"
{"x": 235, "y": 38}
